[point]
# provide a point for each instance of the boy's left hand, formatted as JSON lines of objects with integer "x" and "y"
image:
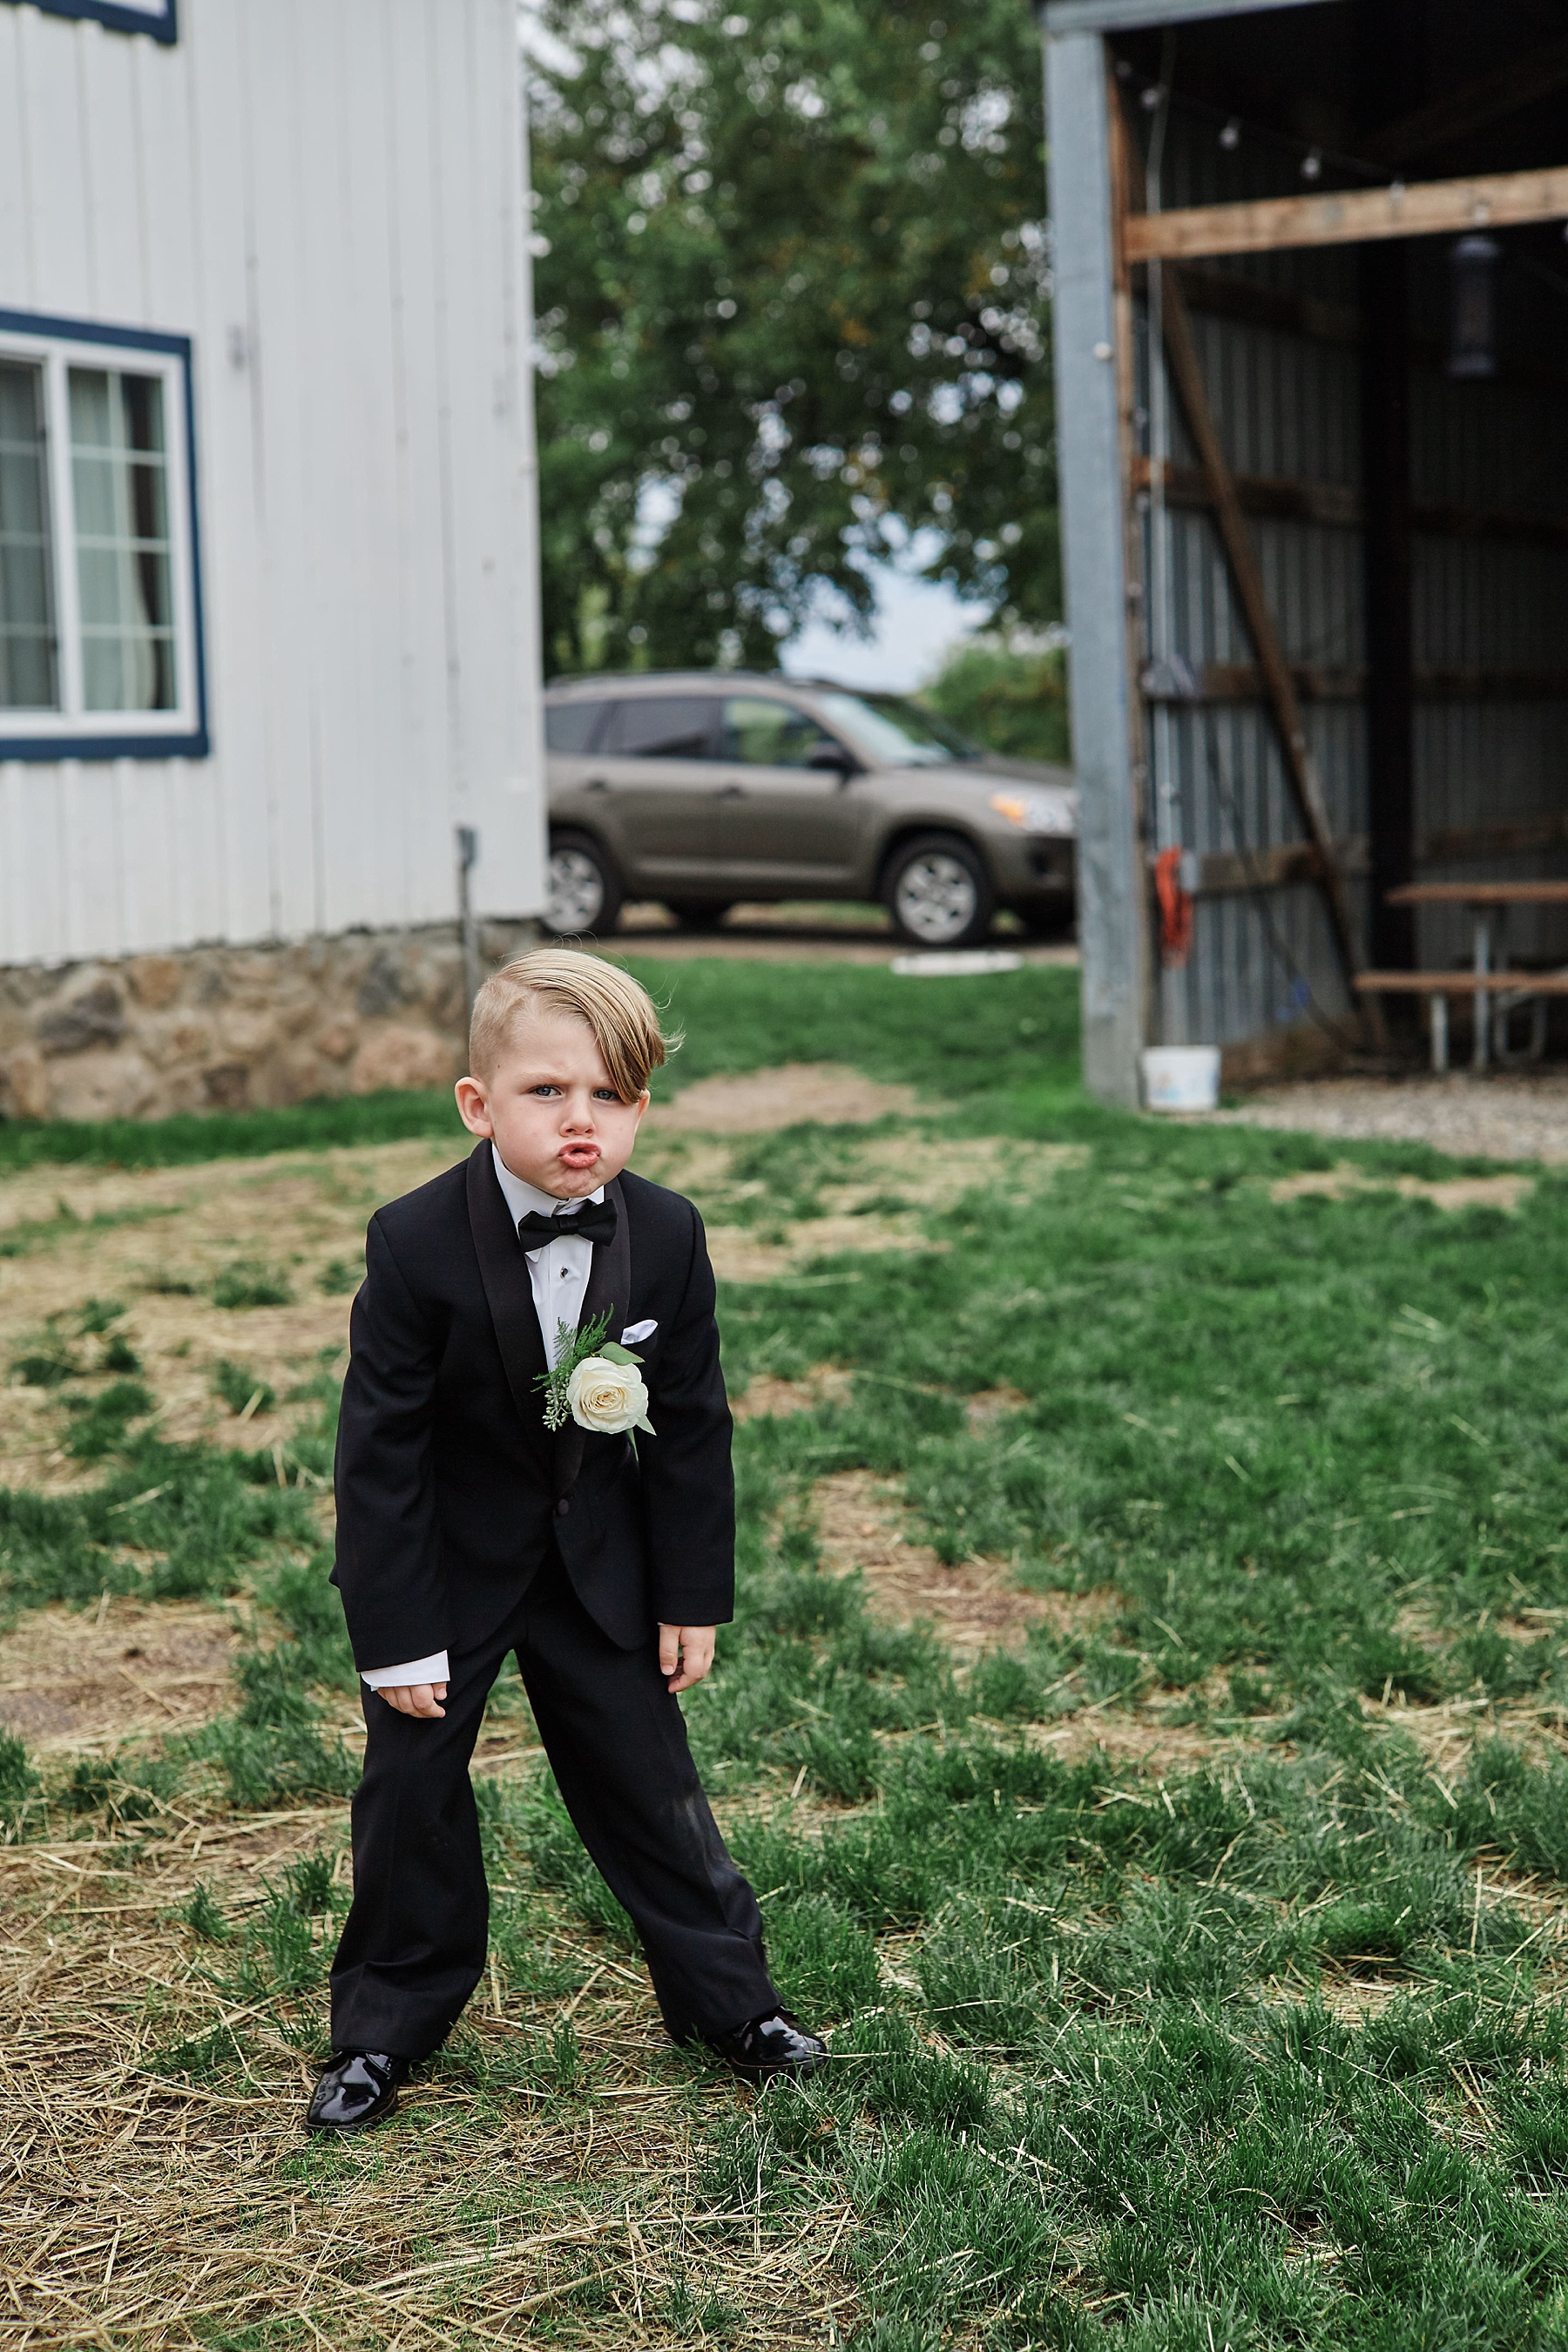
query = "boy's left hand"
{"x": 685, "y": 1654}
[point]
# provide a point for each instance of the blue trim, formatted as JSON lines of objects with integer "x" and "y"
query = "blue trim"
{"x": 197, "y": 744}
{"x": 165, "y": 28}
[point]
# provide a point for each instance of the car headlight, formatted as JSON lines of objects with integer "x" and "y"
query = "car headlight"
{"x": 1035, "y": 812}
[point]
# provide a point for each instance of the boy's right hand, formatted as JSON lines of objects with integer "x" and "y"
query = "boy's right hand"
{"x": 417, "y": 1698}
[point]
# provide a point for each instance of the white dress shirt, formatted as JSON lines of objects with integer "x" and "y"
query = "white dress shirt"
{"x": 558, "y": 1276}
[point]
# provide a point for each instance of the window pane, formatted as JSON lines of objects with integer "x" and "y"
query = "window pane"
{"x": 663, "y": 727}
{"x": 570, "y": 725}
{"x": 891, "y": 729}
{"x": 119, "y": 479}
{"x": 767, "y": 734}
{"x": 28, "y": 678}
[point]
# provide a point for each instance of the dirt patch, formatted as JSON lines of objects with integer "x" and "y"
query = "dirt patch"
{"x": 823, "y": 1384}
{"x": 739, "y": 1254}
{"x": 975, "y": 1605}
{"x": 829, "y": 1093}
{"x": 72, "y": 1681}
{"x": 157, "y": 1241}
{"x": 1450, "y": 1193}
{"x": 988, "y": 1405}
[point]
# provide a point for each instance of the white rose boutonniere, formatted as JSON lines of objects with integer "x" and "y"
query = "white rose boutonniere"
{"x": 607, "y": 1396}
{"x": 596, "y": 1382}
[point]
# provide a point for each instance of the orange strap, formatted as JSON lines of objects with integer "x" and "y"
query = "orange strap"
{"x": 1175, "y": 908}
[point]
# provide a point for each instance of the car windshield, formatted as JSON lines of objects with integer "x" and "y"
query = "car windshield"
{"x": 888, "y": 727}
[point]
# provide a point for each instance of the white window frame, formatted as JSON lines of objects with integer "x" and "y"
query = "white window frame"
{"x": 158, "y": 18}
{"x": 70, "y": 731}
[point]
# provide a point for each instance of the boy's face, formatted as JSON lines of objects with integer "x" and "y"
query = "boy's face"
{"x": 550, "y": 1108}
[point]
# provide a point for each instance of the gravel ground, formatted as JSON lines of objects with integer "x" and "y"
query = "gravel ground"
{"x": 1503, "y": 1116}
{"x": 797, "y": 934}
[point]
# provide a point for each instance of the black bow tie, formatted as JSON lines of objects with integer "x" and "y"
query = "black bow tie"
{"x": 595, "y": 1221}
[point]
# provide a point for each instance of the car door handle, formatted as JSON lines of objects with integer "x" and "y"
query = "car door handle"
{"x": 595, "y": 785}
{"x": 732, "y": 792}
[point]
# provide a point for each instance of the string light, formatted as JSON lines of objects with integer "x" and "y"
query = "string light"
{"x": 1230, "y": 137}
{"x": 1313, "y": 164}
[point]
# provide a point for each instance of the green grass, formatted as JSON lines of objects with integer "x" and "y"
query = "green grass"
{"x": 1016, "y": 1033}
{"x": 1098, "y": 2072}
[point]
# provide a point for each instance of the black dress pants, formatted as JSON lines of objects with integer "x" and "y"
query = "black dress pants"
{"x": 414, "y": 1941}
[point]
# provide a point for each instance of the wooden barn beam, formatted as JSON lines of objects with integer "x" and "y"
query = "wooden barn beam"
{"x": 1187, "y": 375}
{"x": 1357, "y": 217}
{"x": 1342, "y": 507}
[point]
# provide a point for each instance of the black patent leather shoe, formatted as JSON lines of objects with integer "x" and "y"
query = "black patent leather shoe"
{"x": 358, "y": 2088}
{"x": 770, "y": 2046}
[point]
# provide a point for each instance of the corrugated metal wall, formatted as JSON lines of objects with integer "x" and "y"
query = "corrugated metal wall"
{"x": 1284, "y": 391}
{"x": 325, "y": 195}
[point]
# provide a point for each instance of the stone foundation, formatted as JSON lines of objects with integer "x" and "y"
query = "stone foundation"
{"x": 221, "y": 1028}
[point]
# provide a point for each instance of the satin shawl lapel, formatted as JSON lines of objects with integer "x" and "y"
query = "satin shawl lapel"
{"x": 609, "y": 1291}
{"x": 503, "y": 1270}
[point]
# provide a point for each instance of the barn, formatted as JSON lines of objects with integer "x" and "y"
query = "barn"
{"x": 269, "y": 668}
{"x": 1312, "y": 354}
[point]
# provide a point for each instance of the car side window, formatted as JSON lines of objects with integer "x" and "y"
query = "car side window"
{"x": 763, "y": 733}
{"x": 571, "y": 727}
{"x": 662, "y": 727}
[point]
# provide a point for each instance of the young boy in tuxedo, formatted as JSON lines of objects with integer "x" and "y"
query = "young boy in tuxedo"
{"x": 467, "y": 1528}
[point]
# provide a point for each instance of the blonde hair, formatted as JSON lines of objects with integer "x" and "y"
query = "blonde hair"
{"x": 621, "y": 1015}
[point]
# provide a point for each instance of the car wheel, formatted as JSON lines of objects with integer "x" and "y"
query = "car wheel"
{"x": 584, "y": 890}
{"x": 700, "y": 914}
{"x": 938, "y": 892}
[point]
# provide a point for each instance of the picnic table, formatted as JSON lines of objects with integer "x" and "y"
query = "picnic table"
{"x": 1496, "y": 992}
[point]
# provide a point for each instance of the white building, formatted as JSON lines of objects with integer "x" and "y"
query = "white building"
{"x": 267, "y": 565}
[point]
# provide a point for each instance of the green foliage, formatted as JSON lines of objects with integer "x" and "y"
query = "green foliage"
{"x": 129, "y": 1787}
{"x": 96, "y": 1317}
{"x": 340, "y": 1277}
{"x": 19, "y": 1783}
{"x": 241, "y": 1389}
{"x": 1008, "y": 1038}
{"x": 1011, "y": 699}
{"x": 794, "y": 277}
{"x": 206, "y": 1514}
{"x": 248, "y": 1283}
{"x": 102, "y": 1423}
{"x": 203, "y": 1916}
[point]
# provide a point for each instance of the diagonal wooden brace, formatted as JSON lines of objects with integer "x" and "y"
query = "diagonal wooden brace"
{"x": 1279, "y": 684}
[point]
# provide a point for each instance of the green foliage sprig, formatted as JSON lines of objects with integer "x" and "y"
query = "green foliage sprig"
{"x": 575, "y": 1348}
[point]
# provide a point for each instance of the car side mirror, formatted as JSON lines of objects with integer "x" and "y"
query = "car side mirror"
{"x": 834, "y": 758}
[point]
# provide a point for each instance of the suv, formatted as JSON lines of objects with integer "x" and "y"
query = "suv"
{"x": 700, "y": 790}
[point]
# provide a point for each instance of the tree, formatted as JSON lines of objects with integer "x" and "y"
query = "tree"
{"x": 791, "y": 280}
{"x": 1010, "y": 695}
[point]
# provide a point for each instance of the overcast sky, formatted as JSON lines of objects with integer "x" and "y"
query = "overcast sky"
{"x": 917, "y": 625}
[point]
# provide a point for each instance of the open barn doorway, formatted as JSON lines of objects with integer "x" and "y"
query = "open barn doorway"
{"x": 1313, "y": 320}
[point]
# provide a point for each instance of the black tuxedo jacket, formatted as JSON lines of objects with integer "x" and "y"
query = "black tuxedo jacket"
{"x": 448, "y": 1484}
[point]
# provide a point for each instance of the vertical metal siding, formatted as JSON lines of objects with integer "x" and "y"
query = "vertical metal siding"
{"x": 325, "y": 195}
{"x": 1285, "y": 408}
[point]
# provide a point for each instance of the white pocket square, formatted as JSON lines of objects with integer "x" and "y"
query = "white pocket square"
{"x": 636, "y": 1331}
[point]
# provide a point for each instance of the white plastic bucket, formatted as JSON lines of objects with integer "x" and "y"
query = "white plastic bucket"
{"x": 1180, "y": 1077}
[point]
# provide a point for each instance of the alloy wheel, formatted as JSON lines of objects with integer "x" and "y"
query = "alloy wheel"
{"x": 935, "y": 898}
{"x": 576, "y": 899}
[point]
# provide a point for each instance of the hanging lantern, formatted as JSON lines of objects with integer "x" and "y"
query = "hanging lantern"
{"x": 1472, "y": 307}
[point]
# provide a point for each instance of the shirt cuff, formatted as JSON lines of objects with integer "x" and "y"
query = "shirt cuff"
{"x": 432, "y": 1669}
